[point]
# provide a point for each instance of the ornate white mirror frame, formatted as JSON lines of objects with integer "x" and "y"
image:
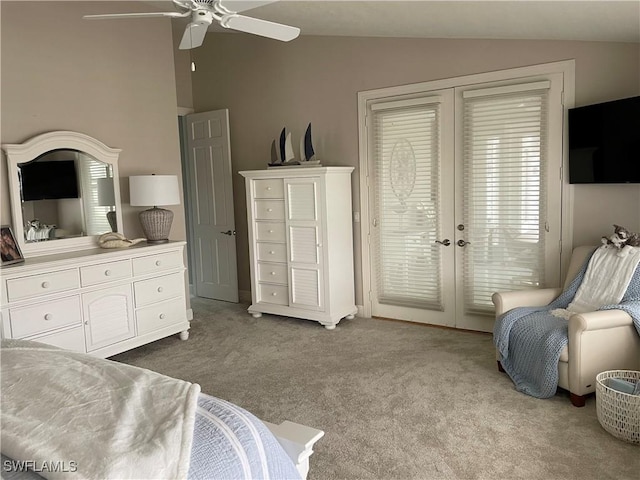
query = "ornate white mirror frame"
{"x": 37, "y": 146}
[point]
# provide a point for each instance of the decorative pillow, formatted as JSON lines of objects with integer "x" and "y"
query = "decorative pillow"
{"x": 622, "y": 237}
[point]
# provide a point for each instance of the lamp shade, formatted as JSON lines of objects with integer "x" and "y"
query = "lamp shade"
{"x": 153, "y": 190}
{"x": 106, "y": 195}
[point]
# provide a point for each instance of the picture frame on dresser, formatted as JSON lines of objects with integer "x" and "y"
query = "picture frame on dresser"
{"x": 9, "y": 250}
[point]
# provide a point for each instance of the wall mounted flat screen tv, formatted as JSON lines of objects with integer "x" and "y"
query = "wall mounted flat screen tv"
{"x": 604, "y": 142}
{"x": 49, "y": 180}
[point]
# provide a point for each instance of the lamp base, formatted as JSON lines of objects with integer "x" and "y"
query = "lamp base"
{"x": 111, "y": 218}
{"x": 156, "y": 224}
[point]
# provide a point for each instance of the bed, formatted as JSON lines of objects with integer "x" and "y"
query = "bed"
{"x": 70, "y": 415}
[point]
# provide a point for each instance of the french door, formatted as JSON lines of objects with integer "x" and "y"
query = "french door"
{"x": 463, "y": 198}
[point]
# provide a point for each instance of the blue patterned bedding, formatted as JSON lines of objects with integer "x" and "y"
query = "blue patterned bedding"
{"x": 228, "y": 443}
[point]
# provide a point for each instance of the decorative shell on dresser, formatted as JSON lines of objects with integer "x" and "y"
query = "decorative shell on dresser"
{"x": 117, "y": 240}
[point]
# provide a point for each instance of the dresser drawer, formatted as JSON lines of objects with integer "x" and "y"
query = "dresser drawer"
{"x": 159, "y": 316}
{"x": 43, "y": 317}
{"x": 278, "y": 294}
{"x": 272, "y": 252}
{"x": 269, "y": 188}
{"x": 272, "y": 272}
{"x": 43, "y": 284}
{"x": 157, "y": 263}
{"x": 72, "y": 339}
{"x": 269, "y": 210}
{"x": 105, "y": 272}
{"x": 159, "y": 289}
{"x": 270, "y": 232}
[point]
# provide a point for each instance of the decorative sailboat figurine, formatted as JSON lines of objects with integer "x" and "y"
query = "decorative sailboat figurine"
{"x": 283, "y": 136}
{"x": 282, "y": 151}
{"x": 288, "y": 156}
{"x": 307, "y": 153}
{"x": 275, "y": 158}
{"x": 278, "y": 150}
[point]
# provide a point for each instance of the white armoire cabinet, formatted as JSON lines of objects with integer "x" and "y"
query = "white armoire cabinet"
{"x": 301, "y": 243}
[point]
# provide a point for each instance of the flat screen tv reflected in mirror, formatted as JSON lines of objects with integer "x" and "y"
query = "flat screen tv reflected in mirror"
{"x": 49, "y": 180}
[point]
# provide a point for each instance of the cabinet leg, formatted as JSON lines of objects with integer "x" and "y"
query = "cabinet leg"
{"x": 256, "y": 314}
{"x": 330, "y": 327}
{"x": 184, "y": 335}
{"x": 350, "y": 316}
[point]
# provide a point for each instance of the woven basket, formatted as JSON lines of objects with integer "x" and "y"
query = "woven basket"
{"x": 618, "y": 412}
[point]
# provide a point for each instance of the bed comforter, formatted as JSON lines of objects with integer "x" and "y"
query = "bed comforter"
{"x": 69, "y": 415}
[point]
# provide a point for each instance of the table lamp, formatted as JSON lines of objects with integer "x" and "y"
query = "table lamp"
{"x": 154, "y": 190}
{"x": 107, "y": 198}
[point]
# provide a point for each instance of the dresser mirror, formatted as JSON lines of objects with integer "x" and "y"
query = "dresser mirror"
{"x": 64, "y": 192}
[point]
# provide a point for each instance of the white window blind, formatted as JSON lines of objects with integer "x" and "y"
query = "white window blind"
{"x": 95, "y": 214}
{"x": 505, "y": 145}
{"x": 405, "y": 146}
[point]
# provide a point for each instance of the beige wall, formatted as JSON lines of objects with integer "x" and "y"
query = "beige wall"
{"x": 116, "y": 81}
{"x": 182, "y": 64}
{"x": 111, "y": 79}
{"x": 267, "y": 85}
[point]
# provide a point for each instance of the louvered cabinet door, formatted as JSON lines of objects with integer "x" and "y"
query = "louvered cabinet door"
{"x": 108, "y": 316}
{"x": 305, "y": 242}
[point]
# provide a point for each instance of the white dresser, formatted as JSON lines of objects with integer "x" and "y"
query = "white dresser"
{"x": 98, "y": 301}
{"x": 301, "y": 243}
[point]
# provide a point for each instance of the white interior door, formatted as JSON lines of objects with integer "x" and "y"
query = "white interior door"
{"x": 211, "y": 205}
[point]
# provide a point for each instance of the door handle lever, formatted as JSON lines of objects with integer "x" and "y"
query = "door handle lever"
{"x": 446, "y": 242}
{"x": 462, "y": 243}
{"x": 229, "y": 232}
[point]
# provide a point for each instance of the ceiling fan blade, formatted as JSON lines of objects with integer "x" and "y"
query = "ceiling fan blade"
{"x": 193, "y": 35}
{"x": 256, "y": 26}
{"x": 137, "y": 15}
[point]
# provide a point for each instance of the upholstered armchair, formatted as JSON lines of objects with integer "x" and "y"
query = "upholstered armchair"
{"x": 598, "y": 341}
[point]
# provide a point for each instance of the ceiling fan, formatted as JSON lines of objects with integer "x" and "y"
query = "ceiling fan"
{"x": 204, "y": 12}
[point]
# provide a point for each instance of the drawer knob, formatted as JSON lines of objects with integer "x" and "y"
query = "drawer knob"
{"x": 269, "y": 188}
{"x": 160, "y": 289}
{"x": 161, "y": 316}
{"x": 275, "y": 294}
{"x": 271, "y": 252}
{"x": 270, "y": 231}
{"x": 273, "y": 273}
{"x": 158, "y": 263}
{"x": 107, "y": 272}
{"x": 45, "y": 284}
{"x": 48, "y": 316}
{"x": 86, "y": 322}
{"x": 269, "y": 209}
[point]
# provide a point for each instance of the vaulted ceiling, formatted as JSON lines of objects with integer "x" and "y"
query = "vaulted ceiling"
{"x": 590, "y": 20}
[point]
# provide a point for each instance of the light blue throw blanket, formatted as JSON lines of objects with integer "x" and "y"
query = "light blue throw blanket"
{"x": 530, "y": 339}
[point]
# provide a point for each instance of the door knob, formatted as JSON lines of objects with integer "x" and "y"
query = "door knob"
{"x": 229, "y": 232}
{"x": 462, "y": 243}
{"x": 446, "y": 242}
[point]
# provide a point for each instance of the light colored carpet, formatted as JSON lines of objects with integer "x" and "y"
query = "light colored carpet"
{"x": 396, "y": 400}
